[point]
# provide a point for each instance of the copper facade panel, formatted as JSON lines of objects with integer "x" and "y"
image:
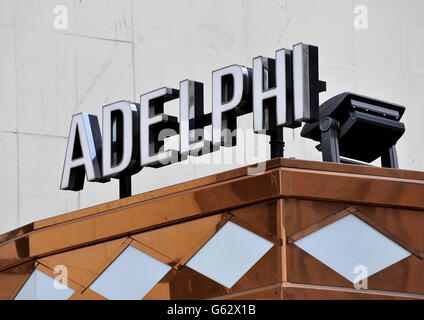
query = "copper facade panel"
{"x": 382, "y": 229}
{"x": 301, "y": 214}
{"x": 352, "y": 169}
{"x": 153, "y": 253}
{"x": 259, "y": 218}
{"x": 233, "y": 174}
{"x": 181, "y": 187}
{"x": 272, "y": 292}
{"x": 353, "y": 188}
{"x": 17, "y": 232}
{"x": 181, "y": 241}
{"x": 115, "y": 220}
{"x": 185, "y": 284}
{"x": 405, "y": 276}
{"x": 264, "y": 272}
{"x": 12, "y": 280}
{"x": 316, "y": 226}
{"x": 87, "y": 263}
{"x": 161, "y": 291}
{"x": 303, "y": 268}
{"x": 283, "y": 236}
{"x": 308, "y": 292}
{"x": 60, "y": 278}
{"x": 262, "y": 294}
{"x": 13, "y": 252}
{"x": 153, "y": 214}
{"x": 171, "y": 224}
{"x": 87, "y": 294}
{"x": 404, "y": 224}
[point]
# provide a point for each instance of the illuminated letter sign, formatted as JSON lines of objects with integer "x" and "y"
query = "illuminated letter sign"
{"x": 281, "y": 92}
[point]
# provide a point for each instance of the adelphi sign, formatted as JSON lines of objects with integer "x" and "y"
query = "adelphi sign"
{"x": 281, "y": 92}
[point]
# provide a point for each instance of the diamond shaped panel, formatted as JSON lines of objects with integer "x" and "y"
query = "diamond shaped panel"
{"x": 229, "y": 254}
{"x": 130, "y": 277}
{"x": 350, "y": 242}
{"x": 40, "y": 286}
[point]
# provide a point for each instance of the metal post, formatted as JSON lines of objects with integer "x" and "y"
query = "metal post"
{"x": 330, "y": 139}
{"x": 277, "y": 143}
{"x": 389, "y": 159}
{"x": 124, "y": 187}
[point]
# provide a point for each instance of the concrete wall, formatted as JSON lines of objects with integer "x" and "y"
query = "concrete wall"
{"x": 119, "y": 49}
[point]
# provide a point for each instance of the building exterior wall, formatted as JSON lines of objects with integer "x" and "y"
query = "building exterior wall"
{"x": 120, "y": 49}
{"x": 278, "y": 235}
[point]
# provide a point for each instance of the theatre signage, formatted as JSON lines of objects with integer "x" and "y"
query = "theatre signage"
{"x": 281, "y": 92}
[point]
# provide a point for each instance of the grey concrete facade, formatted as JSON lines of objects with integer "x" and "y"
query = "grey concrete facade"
{"x": 119, "y": 49}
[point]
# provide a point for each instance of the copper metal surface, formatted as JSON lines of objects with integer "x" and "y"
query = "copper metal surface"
{"x": 299, "y": 291}
{"x": 351, "y": 169}
{"x": 86, "y": 295}
{"x": 366, "y": 218}
{"x": 60, "y": 278}
{"x": 181, "y": 187}
{"x": 272, "y": 292}
{"x": 303, "y": 268}
{"x": 150, "y": 214}
{"x": 404, "y": 224}
{"x": 178, "y": 243}
{"x": 353, "y": 188}
{"x": 404, "y": 276}
{"x": 86, "y": 264}
{"x": 153, "y": 253}
{"x": 320, "y": 224}
{"x": 12, "y": 280}
{"x": 281, "y": 230}
{"x": 14, "y": 251}
{"x": 301, "y": 214}
{"x": 289, "y": 200}
{"x": 382, "y": 228}
{"x": 233, "y": 174}
{"x": 259, "y": 218}
{"x": 16, "y": 233}
{"x": 185, "y": 284}
{"x": 265, "y": 272}
{"x": 292, "y": 291}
